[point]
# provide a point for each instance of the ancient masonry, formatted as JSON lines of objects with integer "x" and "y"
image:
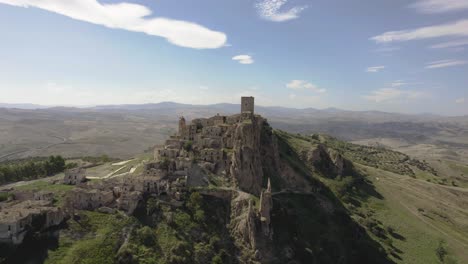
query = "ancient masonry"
{"x": 74, "y": 176}
{"x": 202, "y": 147}
{"x": 205, "y": 143}
{"x": 18, "y": 217}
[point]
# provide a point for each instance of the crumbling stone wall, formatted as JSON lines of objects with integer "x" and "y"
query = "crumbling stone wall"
{"x": 16, "y": 218}
{"x": 74, "y": 176}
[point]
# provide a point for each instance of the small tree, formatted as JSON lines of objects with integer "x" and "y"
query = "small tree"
{"x": 194, "y": 204}
{"x": 441, "y": 251}
{"x": 188, "y": 145}
{"x": 152, "y": 206}
{"x": 164, "y": 163}
{"x": 146, "y": 236}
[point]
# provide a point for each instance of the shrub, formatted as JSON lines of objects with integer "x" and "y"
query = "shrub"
{"x": 188, "y": 145}
{"x": 146, "y": 236}
{"x": 441, "y": 251}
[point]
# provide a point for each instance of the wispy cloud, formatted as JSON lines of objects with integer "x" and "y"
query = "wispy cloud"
{"x": 386, "y": 49}
{"x": 272, "y": 10}
{"x": 439, "y": 6}
{"x": 243, "y": 59}
{"x": 458, "y": 28}
{"x": 460, "y": 100}
{"x": 131, "y": 17}
{"x": 398, "y": 83}
{"x": 392, "y": 94}
{"x": 304, "y": 85}
{"x": 450, "y": 44}
{"x": 445, "y": 63}
{"x": 375, "y": 69}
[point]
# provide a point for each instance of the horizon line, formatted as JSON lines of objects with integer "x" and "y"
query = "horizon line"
{"x": 42, "y": 107}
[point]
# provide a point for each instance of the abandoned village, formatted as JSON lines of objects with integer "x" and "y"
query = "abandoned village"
{"x": 220, "y": 145}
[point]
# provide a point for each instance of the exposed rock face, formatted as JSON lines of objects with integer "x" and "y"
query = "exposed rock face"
{"x": 246, "y": 168}
{"x": 198, "y": 175}
{"x": 243, "y": 220}
{"x": 319, "y": 156}
{"x": 328, "y": 161}
{"x": 342, "y": 165}
{"x": 266, "y": 204}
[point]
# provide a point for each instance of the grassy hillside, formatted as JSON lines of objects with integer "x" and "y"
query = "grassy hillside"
{"x": 398, "y": 201}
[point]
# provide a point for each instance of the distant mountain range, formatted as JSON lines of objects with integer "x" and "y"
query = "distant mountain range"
{"x": 23, "y": 106}
{"x": 221, "y": 107}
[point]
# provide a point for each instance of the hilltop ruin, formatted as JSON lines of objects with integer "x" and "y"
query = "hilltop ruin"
{"x": 220, "y": 146}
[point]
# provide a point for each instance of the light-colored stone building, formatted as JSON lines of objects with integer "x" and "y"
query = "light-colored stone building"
{"x": 19, "y": 217}
{"x": 74, "y": 176}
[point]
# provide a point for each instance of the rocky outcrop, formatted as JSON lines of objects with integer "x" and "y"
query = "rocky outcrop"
{"x": 266, "y": 205}
{"x": 243, "y": 222}
{"x": 246, "y": 162}
{"x": 327, "y": 161}
{"x": 342, "y": 165}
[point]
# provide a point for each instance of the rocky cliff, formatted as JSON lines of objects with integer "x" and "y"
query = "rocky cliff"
{"x": 247, "y": 163}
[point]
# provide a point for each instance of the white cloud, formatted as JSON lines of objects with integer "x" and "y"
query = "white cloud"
{"x": 445, "y": 63}
{"x": 398, "y": 83}
{"x": 271, "y": 10}
{"x": 375, "y": 69}
{"x": 243, "y": 59}
{"x": 392, "y": 94}
{"x": 304, "y": 85}
{"x": 131, "y": 17}
{"x": 450, "y": 44}
{"x": 458, "y": 28}
{"x": 439, "y": 6}
{"x": 460, "y": 100}
{"x": 386, "y": 49}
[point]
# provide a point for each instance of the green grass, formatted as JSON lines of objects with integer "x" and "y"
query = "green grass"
{"x": 100, "y": 237}
{"x": 59, "y": 190}
{"x": 4, "y": 196}
{"x": 45, "y": 186}
{"x": 458, "y": 167}
{"x": 408, "y": 217}
{"x": 410, "y": 213}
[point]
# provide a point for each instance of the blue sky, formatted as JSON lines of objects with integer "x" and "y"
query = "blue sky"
{"x": 393, "y": 55}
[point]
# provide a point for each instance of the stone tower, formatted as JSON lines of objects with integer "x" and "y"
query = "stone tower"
{"x": 182, "y": 127}
{"x": 247, "y": 104}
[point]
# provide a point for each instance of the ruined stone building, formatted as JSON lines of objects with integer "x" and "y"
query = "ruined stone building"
{"x": 206, "y": 143}
{"x": 226, "y": 146}
{"x": 74, "y": 176}
{"x": 19, "y": 217}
